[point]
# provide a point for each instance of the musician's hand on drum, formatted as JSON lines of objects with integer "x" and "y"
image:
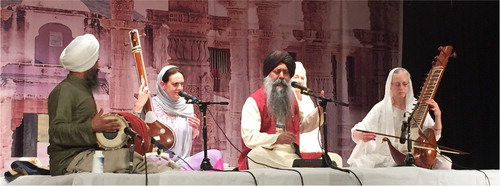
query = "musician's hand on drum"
{"x": 142, "y": 96}
{"x": 364, "y": 136}
{"x": 285, "y": 138}
{"x": 104, "y": 125}
{"x": 434, "y": 107}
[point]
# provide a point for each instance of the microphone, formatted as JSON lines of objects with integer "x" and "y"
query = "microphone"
{"x": 302, "y": 88}
{"x": 129, "y": 131}
{"x": 188, "y": 97}
{"x": 159, "y": 145}
{"x": 402, "y": 138}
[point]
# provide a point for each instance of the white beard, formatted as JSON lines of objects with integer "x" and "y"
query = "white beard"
{"x": 279, "y": 98}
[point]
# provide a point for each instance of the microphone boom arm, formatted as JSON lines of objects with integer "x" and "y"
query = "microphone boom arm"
{"x": 323, "y": 99}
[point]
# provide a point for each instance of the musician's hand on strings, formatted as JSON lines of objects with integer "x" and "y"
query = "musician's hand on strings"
{"x": 142, "y": 96}
{"x": 104, "y": 125}
{"x": 434, "y": 107}
{"x": 364, "y": 136}
{"x": 285, "y": 138}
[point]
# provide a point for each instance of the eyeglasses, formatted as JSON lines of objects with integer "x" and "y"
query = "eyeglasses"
{"x": 279, "y": 71}
{"x": 398, "y": 84}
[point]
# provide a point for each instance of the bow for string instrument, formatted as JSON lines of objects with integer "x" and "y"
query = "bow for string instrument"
{"x": 424, "y": 148}
{"x": 156, "y": 128}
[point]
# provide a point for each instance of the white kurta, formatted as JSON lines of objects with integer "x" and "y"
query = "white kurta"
{"x": 376, "y": 153}
{"x": 253, "y": 138}
{"x": 310, "y": 141}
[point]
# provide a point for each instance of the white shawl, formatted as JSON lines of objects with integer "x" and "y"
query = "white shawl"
{"x": 163, "y": 104}
{"x": 379, "y": 119}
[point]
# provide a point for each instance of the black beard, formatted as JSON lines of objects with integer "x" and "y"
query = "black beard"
{"x": 93, "y": 79}
{"x": 278, "y": 98}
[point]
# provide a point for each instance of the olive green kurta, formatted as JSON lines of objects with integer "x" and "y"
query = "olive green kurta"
{"x": 71, "y": 108}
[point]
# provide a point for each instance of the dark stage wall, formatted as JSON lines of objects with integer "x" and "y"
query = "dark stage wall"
{"x": 468, "y": 93}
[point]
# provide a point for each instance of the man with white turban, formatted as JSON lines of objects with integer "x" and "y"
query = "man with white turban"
{"x": 74, "y": 120}
{"x": 270, "y": 118}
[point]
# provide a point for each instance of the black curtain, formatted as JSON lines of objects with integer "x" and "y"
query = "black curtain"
{"x": 468, "y": 92}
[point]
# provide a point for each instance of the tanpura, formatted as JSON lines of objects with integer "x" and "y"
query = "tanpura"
{"x": 155, "y": 128}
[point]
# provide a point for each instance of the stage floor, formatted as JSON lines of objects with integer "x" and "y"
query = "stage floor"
{"x": 309, "y": 176}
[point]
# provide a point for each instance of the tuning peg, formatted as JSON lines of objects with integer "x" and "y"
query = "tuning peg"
{"x": 454, "y": 55}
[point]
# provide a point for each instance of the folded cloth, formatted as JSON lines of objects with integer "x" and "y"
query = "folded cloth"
{"x": 10, "y": 175}
{"x": 28, "y": 168}
{"x": 20, "y": 168}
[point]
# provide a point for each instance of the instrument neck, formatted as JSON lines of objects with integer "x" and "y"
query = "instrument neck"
{"x": 428, "y": 92}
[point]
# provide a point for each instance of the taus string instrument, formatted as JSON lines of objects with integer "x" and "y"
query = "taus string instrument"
{"x": 424, "y": 146}
{"x": 156, "y": 128}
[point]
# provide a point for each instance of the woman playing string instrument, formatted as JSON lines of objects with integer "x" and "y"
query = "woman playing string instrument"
{"x": 172, "y": 110}
{"x": 387, "y": 117}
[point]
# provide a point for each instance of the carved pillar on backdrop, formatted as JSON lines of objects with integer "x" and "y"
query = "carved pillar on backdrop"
{"x": 378, "y": 55}
{"x": 382, "y": 41}
{"x": 188, "y": 23}
{"x": 237, "y": 11}
{"x": 262, "y": 40}
{"x": 320, "y": 60}
{"x": 123, "y": 72}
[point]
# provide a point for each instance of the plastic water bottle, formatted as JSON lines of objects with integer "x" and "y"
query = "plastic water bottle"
{"x": 98, "y": 162}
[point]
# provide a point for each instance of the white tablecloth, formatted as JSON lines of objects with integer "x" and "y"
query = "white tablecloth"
{"x": 310, "y": 176}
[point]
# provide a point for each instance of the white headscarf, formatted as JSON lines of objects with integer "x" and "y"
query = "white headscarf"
{"x": 306, "y": 100}
{"x": 379, "y": 119}
{"x": 309, "y": 141}
{"x": 169, "y": 105}
{"x": 386, "y": 104}
{"x": 81, "y": 54}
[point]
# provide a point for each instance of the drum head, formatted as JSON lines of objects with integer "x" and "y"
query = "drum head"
{"x": 113, "y": 140}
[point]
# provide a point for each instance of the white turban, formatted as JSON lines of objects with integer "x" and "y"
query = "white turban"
{"x": 81, "y": 54}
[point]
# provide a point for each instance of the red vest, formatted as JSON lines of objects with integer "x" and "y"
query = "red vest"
{"x": 268, "y": 125}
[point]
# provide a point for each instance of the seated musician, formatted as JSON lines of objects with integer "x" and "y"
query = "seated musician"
{"x": 74, "y": 119}
{"x": 310, "y": 141}
{"x": 387, "y": 117}
{"x": 173, "y": 111}
{"x": 270, "y": 125}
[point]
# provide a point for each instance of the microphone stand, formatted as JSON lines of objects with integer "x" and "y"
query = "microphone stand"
{"x": 205, "y": 164}
{"x": 409, "y": 159}
{"x": 324, "y": 101}
{"x": 131, "y": 155}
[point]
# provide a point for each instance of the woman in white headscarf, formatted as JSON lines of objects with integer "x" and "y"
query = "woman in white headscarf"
{"x": 387, "y": 117}
{"x": 172, "y": 110}
{"x": 310, "y": 141}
